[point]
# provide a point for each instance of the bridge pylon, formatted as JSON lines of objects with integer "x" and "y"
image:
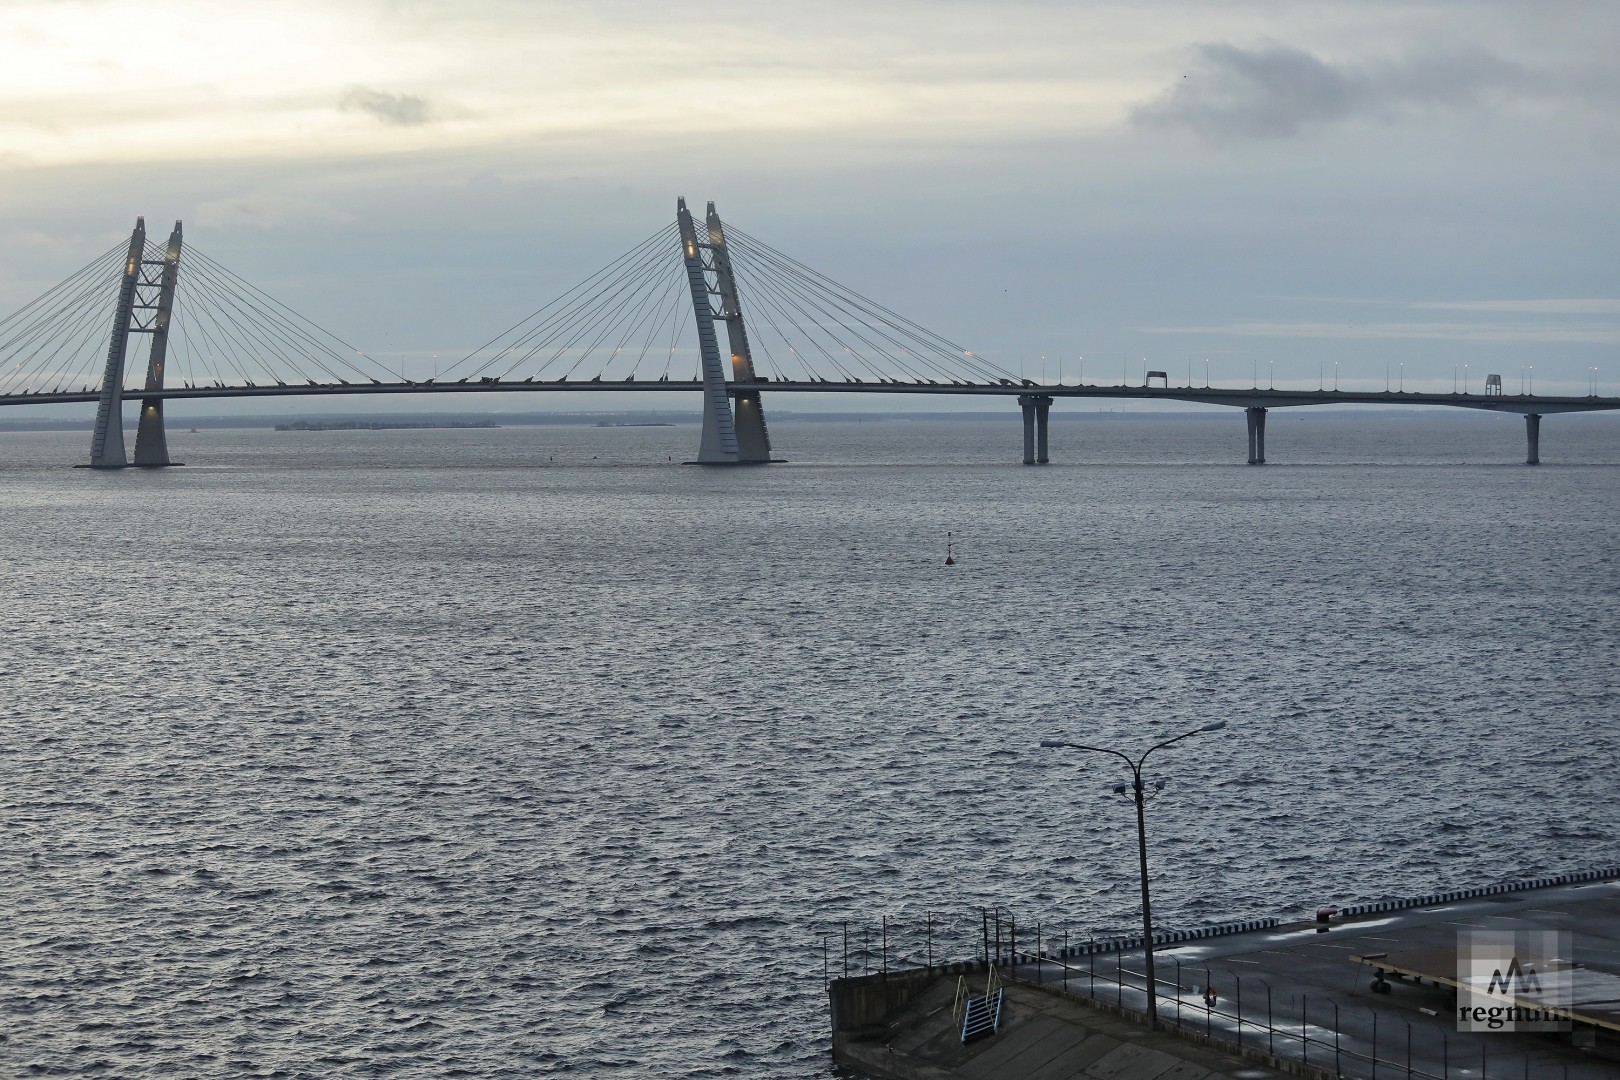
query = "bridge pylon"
{"x": 730, "y": 436}
{"x": 145, "y": 306}
{"x": 151, "y": 442}
{"x": 753, "y": 440}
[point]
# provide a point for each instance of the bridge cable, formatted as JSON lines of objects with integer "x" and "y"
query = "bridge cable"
{"x": 299, "y": 324}
{"x": 568, "y": 300}
{"x": 294, "y": 330}
{"x": 92, "y": 269}
{"x": 762, "y": 302}
{"x": 655, "y": 325}
{"x": 648, "y": 314}
{"x": 233, "y": 334}
{"x": 562, "y": 323}
{"x": 856, "y": 316}
{"x": 234, "y": 325}
{"x": 804, "y": 299}
{"x": 788, "y": 299}
{"x": 620, "y": 314}
{"x": 602, "y": 321}
{"x": 575, "y": 322}
{"x": 677, "y": 327}
{"x": 564, "y": 307}
{"x": 60, "y": 310}
{"x": 872, "y": 309}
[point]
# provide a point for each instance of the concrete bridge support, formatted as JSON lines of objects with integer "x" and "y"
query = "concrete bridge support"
{"x": 145, "y": 304}
{"x": 107, "y": 439}
{"x": 719, "y": 442}
{"x": 1532, "y": 436}
{"x": 1257, "y": 435}
{"x": 1036, "y": 409}
{"x": 151, "y": 441}
{"x": 748, "y": 413}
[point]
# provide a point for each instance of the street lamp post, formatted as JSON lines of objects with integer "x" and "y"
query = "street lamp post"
{"x": 1139, "y": 795}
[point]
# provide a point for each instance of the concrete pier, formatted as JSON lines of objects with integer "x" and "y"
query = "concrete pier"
{"x": 1257, "y": 435}
{"x": 1044, "y": 1035}
{"x": 1532, "y": 435}
{"x": 1362, "y": 992}
{"x": 1324, "y": 977}
{"x": 1037, "y": 408}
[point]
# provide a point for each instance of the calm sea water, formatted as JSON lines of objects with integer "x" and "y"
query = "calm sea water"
{"x": 529, "y": 751}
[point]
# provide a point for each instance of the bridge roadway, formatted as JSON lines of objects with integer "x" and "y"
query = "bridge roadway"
{"x": 1034, "y": 399}
{"x": 1252, "y": 398}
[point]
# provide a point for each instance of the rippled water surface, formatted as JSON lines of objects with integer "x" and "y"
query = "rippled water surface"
{"x": 529, "y": 751}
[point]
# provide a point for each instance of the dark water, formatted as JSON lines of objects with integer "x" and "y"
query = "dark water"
{"x": 523, "y": 752}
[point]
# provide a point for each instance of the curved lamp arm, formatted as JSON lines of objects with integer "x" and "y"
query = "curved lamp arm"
{"x": 1134, "y": 763}
{"x": 1053, "y": 744}
{"x": 1214, "y": 725}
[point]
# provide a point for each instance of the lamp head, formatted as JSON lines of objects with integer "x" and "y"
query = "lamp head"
{"x": 1214, "y": 725}
{"x": 1049, "y": 744}
{"x": 1119, "y": 788}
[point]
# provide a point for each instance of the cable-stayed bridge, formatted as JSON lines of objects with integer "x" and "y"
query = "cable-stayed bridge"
{"x": 648, "y": 322}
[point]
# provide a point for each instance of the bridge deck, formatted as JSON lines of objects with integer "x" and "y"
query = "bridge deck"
{"x": 1238, "y": 398}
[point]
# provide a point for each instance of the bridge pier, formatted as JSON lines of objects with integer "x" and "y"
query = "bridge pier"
{"x": 748, "y": 413}
{"x": 1257, "y": 435}
{"x": 1036, "y": 408}
{"x": 107, "y": 438}
{"x": 1532, "y": 435}
{"x": 719, "y": 442}
{"x": 140, "y": 311}
{"x": 151, "y": 440}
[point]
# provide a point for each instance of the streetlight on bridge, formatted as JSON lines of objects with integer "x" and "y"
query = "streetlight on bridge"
{"x": 1139, "y": 795}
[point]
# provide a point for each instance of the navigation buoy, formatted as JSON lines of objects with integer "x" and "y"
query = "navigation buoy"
{"x": 948, "y": 560}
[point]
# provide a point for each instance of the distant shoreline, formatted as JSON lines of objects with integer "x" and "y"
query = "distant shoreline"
{"x": 379, "y": 425}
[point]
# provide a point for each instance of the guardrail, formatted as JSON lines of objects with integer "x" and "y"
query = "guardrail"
{"x": 1319, "y": 1043}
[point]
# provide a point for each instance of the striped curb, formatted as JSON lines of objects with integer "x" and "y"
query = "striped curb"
{"x": 1571, "y": 878}
{"x": 1162, "y": 937}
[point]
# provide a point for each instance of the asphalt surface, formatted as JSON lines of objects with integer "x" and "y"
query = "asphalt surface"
{"x": 1322, "y": 1007}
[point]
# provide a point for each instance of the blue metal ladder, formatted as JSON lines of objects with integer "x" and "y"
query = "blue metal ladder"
{"x": 982, "y": 1017}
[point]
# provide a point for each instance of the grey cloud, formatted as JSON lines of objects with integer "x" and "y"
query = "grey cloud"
{"x": 1278, "y": 91}
{"x": 262, "y": 211}
{"x": 400, "y": 110}
{"x": 1582, "y": 306}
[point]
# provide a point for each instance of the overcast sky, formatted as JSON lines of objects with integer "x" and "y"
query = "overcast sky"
{"x": 1269, "y": 185}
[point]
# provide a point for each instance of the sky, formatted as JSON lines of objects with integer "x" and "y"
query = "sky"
{"x": 1263, "y": 191}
